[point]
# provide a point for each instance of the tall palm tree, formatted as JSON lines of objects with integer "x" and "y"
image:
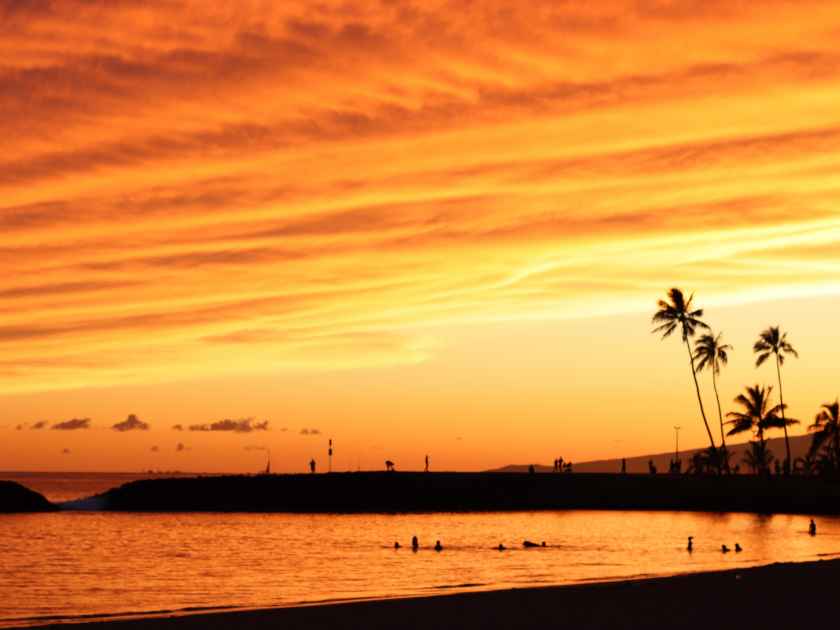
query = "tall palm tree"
{"x": 826, "y": 430}
{"x": 710, "y": 352}
{"x": 757, "y": 417}
{"x": 774, "y": 342}
{"x": 679, "y": 312}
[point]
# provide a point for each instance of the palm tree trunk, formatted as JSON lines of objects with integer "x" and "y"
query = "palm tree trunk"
{"x": 699, "y": 399}
{"x": 725, "y": 463}
{"x": 720, "y": 411}
{"x": 784, "y": 424}
{"x": 764, "y": 467}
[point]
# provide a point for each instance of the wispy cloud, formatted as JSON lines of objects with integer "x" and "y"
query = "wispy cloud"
{"x": 490, "y": 162}
{"x": 74, "y": 424}
{"x": 131, "y": 423}
{"x": 306, "y": 431}
{"x": 242, "y": 425}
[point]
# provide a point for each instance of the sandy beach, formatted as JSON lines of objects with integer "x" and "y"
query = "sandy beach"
{"x": 774, "y": 596}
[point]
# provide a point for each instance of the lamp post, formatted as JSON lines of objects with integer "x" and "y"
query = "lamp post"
{"x": 677, "y": 448}
{"x": 330, "y": 451}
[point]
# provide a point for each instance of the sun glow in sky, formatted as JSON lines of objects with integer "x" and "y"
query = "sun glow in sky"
{"x": 415, "y": 227}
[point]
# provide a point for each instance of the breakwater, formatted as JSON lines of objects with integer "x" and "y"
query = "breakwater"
{"x": 428, "y": 492}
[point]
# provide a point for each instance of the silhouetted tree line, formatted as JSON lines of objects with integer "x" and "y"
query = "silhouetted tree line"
{"x": 756, "y": 411}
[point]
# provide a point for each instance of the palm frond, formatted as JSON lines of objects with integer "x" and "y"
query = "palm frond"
{"x": 666, "y": 329}
{"x": 762, "y": 358}
{"x": 740, "y": 425}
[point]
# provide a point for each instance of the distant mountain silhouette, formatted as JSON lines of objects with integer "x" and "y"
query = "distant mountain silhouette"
{"x": 639, "y": 464}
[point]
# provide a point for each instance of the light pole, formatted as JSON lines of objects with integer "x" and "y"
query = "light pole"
{"x": 677, "y": 448}
{"x": 330, "y": 455}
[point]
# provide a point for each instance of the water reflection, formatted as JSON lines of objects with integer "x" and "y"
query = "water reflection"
{"x": 69, "y": 564}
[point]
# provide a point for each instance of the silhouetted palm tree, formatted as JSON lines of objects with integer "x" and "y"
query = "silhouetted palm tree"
{"x": 677, "y": 312}
{"x": 807, "y": 464}
{"x": 774, "y": 342}
{"x": 756, "y": 417}
{"x": 758, "y": 458}
{"x": 710, "y": 352}
{"x": 826, "y": 430}
{"x": 703, "y": 462}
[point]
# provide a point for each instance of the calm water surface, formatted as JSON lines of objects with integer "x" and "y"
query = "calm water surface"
{"x": 70, "y": 564}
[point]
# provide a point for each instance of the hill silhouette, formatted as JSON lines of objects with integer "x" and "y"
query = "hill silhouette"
{"x": 639, "y": 464}
{"x": 17, "y": 498}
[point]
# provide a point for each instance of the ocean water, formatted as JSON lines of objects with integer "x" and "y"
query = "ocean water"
{"x": 69, "y": 565}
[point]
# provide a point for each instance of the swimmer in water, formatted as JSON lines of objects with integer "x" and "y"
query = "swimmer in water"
{"x": 812, "y": 528}
{"x": 501, "y": 547}
{"x": 415, "y": 545}
{"x": 724, "y": 549}
{"x": 438, "y": 546}
{"x": 737, "y": 548}
{"x": 690, "y": 543}
{"x": 396, "y": 545}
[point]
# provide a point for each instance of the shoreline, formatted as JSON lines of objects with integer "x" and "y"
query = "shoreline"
{"x": 692, "y": 600}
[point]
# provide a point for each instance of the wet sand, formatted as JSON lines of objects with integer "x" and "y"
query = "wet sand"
{"x": 774, "y": 596}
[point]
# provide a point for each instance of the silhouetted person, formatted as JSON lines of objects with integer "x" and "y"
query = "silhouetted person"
{"x": 567, "y": 467}
{"x": 724, "y": 549}
{"x": 438, "y": 546}
{"x": 312, "y": 465}
{"x": 738, "y": 548}
{"x": 501, "y": 547}
{"x": 396, "y": 545}
{"x": 812, "y": 528}
{"x": 623, "y": 466}
{"x": 531, "y": 469}
{"x": 690, "y": 543}
{"x": 651, "y": 467}
{"x": 415, "y": 545}
{"x": 427, "y": 464}
{"x": 389, "y": 465}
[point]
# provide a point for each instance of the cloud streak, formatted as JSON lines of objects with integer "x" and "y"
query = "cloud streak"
{"x": 75, "y": 424}
{"x": 487, "y": 163}
{"x": 242, "y": 425}
{"x": 131, "y": 423}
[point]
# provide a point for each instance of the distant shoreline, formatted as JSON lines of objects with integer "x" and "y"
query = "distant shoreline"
{"x": 770, "y": 596}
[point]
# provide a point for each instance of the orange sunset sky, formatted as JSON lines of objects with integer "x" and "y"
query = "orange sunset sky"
{"x": 413, "y": 227}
